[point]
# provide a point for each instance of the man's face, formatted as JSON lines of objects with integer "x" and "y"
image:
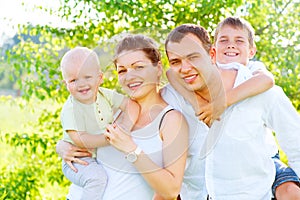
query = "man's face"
{"x": 184, "y": 56}
{"x": 232, "y": 45}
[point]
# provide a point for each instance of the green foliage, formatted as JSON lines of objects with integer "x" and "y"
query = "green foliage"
{"x": 98, "y": 25}
{"x": 35, "y": 160}
{"x": 276, "y": 24}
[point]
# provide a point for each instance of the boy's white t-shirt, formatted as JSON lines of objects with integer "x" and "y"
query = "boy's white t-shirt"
{"x": 252, "y": 67}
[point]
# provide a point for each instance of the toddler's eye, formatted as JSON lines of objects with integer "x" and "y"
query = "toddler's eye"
{"x": 121, "y": 71}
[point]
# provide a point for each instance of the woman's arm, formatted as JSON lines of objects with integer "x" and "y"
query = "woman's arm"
{"x": 261, "y": 81}
{"x": 131, "y": 112}
{"x": 165, "y": 181}
{"x": 70, "y": 153}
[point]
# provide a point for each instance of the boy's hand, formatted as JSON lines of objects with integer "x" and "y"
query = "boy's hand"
{"x": 210, "y": 112}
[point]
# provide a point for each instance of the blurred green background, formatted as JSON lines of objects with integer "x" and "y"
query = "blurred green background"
{"x": 29, "y": 70}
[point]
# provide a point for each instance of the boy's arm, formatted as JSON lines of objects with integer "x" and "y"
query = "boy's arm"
{"x": 205, "y": 111}
{"x": 261, "y": 81}
{"x": 131, "y": 112}
{"x": 85, "y": 140}
{"x": 177, "y": 84}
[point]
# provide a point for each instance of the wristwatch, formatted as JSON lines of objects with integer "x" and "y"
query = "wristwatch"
{"x": 132, "y": 156}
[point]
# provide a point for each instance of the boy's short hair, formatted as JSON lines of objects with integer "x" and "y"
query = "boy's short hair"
{"x": 181, "y": 31}
{"x": 237, "y": 23}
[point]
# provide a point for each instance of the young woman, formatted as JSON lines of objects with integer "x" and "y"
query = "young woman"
{"x": 150, "y": 161}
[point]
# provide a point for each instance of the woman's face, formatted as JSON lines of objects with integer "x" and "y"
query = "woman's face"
{"x": 137, "y": 75}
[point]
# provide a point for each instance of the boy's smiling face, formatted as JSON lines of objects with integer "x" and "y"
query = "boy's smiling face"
{"x": 232, "y": 45}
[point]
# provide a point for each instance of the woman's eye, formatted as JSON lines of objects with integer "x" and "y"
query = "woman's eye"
{"x": 223, "y": 41}
{"x": 193, "y": 57}
{"x": 139, "y": 67}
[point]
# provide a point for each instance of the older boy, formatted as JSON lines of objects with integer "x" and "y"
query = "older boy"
{"x": 234, "y": 42}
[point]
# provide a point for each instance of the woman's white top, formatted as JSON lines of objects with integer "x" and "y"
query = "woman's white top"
{"x": 124, "y": 181}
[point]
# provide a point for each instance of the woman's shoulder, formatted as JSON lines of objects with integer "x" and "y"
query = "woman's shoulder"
{"x": 172, "y": 117}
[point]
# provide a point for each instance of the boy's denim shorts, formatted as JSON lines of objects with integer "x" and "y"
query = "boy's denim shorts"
{"x": 283, "y": 174}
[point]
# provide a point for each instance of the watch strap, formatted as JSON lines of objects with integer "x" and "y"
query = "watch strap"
{"x": 138, "y": 150}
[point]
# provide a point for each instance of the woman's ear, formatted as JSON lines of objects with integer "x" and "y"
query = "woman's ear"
{"x": 159, "y": 68}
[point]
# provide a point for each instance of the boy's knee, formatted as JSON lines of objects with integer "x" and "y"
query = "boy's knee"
{"x": 288, "y": 190}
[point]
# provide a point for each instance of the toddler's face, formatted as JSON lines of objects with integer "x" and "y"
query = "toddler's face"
{"x": 82, "y": 80}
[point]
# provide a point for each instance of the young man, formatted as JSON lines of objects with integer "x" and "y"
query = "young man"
{"x": 238, "y": 139}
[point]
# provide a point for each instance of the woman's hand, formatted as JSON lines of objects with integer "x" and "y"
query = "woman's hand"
{"x": 70, "y": 153}
{"x": 119, "y": 138}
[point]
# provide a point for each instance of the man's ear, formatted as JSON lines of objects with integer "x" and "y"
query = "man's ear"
{"x": 252, "y": 52}
{"x": 212, "y": 53}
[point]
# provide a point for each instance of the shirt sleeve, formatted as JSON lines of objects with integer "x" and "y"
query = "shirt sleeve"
{"x": 115, "y": 99}
{"x": 285, "y": 121}
{"x": 256, "y": 65}
{"x": 70, "y": 117}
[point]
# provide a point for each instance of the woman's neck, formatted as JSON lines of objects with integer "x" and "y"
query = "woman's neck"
{"x": 150, "y": 107}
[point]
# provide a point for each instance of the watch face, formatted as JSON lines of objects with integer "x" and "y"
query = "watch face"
{"x": 131, "y": 157}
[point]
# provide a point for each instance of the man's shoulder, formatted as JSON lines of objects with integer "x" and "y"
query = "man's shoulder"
{"x": 170, "y": 94}
{"x": 270, "y": 96}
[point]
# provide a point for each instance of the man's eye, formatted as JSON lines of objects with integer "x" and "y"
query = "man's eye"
{"x": 223, "y": 40}
{"x": 72, "y": 81}
{"x": 175, "y": 62}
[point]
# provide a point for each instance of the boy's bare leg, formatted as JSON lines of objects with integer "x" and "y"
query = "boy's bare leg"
{"x": 288, "y": 191}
